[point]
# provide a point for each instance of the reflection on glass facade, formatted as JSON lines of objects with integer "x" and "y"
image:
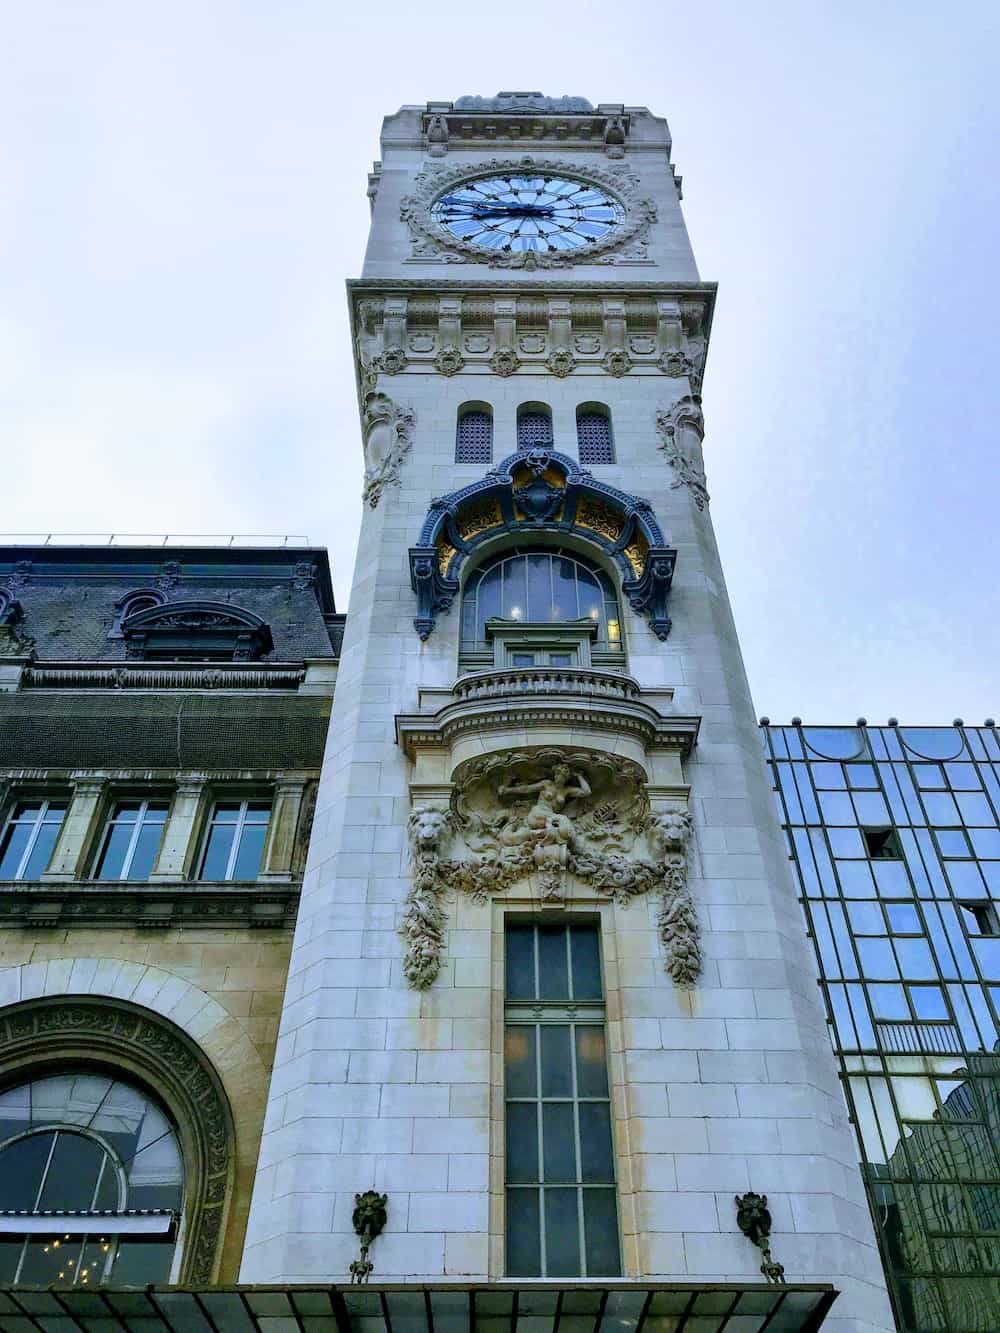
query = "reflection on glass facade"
{"x": 894, "y": 834}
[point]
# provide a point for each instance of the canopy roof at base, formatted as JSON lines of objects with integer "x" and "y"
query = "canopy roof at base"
{"x": 537, "y": 1307}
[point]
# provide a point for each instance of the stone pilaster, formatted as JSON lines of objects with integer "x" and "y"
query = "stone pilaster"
{"x": 75, "y": 841}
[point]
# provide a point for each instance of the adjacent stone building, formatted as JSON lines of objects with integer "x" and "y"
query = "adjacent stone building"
{"x": 162, "y": 718}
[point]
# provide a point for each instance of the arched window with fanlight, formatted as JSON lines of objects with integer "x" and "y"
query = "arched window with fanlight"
{"x": 91, "y": 1183}
{"x": 594, "y": 441}
{"x": 474, "y": 434}
{"x": 534, "y": 426}
{"x": 140, "y": 599}
{"x": 540, "y": 607}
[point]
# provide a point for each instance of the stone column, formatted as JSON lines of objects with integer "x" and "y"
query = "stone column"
{"x": 75, "y": 836}
{"x": 279, "y": 849}
{"x": 177, "y": 848}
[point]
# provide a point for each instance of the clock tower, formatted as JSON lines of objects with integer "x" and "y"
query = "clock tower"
{"x": 549, "y": 993}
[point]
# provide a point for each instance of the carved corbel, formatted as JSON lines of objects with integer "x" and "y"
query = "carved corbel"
{"x": 615, "y": 133}
{"x": 681, "y": 430}
{"x": 650, "y": 592}
{"x": 434, "y": 592}
{"x": 505, "y": 360}
{"x": 437, "y": 136}
{"x": 387, "y": 430}
{"x": 616, "y": 360}
{"x": 561, "y": 360}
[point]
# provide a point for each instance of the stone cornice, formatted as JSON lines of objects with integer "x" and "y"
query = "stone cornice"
{"x": 555, "y": 328}
{"x": 159, "y": 906}
{"x": 162, "y": 676}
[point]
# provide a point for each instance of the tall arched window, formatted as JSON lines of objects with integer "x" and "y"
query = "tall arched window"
{"x": 595, "y": 443}
{"x": 548, "y": 607}
{"x": 91, "y": 1183}
{"x": 474, "y": 435}
{"x": 534, "y": 426}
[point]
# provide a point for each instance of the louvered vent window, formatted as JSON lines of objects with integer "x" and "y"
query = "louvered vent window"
{"x": 593, "y": 437}
{"x": 534, "y": 429}
{"x": 474, "y": 440}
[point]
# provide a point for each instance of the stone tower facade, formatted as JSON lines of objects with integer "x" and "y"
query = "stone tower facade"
{"x": 541, "y": 741}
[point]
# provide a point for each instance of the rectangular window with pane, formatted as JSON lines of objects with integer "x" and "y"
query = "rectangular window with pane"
{"x": 562, "y": 1209}
{"x": 235, "y": 842}
{"x": 131, "y": 840}
{"x": 29, "y": 838}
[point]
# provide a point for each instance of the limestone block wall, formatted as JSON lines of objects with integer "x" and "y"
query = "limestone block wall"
{"x": 224, "y": 988}
{"x": 718, "y": 1089}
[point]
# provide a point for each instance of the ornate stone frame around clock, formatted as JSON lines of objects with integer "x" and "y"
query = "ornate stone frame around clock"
{"x": 625, "y": 242}
{"x": 129, "y": 1041}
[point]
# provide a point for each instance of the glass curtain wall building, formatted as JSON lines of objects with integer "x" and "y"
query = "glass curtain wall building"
{"x": 894, "y": 834}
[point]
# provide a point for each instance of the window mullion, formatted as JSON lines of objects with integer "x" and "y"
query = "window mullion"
{"x": 237, "y": 837}
{"x": 45, "y": 1172}
{"x": 32, "y": 839}
{"x": 133, "y": 840}
{"x": 539, "y": 1116}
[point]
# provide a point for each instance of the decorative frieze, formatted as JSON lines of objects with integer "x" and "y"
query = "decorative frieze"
{"x": 548, "y": 818}
{"x": 628, "y": 334}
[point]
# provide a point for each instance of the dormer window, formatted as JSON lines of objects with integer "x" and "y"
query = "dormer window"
{"x": 196, "y": 631}
{"x": 141, "y": 599}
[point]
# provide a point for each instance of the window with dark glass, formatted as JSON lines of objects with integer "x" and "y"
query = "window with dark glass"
{"x": 540, "y": 587}
{"x": 91, "y": 1183}
{"x": 474, "y": 435}
{"x": 235, "y": 842}
{"x": 534, "y": 427}
{"x": 594, "y": 441}
{"x": 882, "y": 844}
{"x": 29, "y": 838}
{"x": 131, "y": 840}
{"x": 562, "y": 1210}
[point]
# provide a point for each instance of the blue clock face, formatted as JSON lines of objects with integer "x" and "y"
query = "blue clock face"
{"x": 528, "y": 213}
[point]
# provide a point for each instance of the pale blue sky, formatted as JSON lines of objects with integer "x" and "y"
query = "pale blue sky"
{"x": 182, "y": 194}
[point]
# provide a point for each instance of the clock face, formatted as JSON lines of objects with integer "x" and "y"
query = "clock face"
{"x": 545, "y": 214}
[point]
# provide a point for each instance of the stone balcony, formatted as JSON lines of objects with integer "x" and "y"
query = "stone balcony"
{"x": 572, "y": 708}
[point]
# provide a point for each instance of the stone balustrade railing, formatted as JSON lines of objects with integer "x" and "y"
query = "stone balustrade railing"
{"x": 583, "y": 682}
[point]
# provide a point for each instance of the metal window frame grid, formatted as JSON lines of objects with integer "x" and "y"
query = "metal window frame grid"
{"x": 133, "y": 843}
{"x": 38, "y": 823}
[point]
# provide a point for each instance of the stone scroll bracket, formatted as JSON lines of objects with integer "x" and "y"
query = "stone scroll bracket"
{"x": 681, "y": 430}
{"x": 387, "y": 430}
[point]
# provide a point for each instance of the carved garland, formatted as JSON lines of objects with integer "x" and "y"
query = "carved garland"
{"x": 388, "y": 436}
{"x": 627, "y": 240}
{"x": 681, "y": 430}
{"x": 88, "y": 1030}
{"x": 546, "y": 815}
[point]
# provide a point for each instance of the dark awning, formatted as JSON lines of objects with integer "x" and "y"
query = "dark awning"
{"x": 543, "y": 1307}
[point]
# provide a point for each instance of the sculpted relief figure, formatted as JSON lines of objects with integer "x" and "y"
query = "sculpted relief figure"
{"x": 388, "y": 434}
{"x": 542, "y": 817}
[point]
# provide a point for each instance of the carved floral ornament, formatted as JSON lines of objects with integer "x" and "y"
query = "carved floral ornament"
{"x": 626, "y": 242}
{"x": 681, "y": 429}
{"x": 387, "y": 430}
{"x": 546, "y": 819}
{"x": 535, "y": 491}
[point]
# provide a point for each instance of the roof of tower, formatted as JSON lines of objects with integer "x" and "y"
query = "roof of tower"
{"x": 525, "y": 103}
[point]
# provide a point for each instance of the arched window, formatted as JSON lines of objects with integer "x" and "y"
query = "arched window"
{"x": 547, "y": 605}
{"x": 141, "y": 599}
{"x": 595, "y": 443}
{"x": 91, "y": 1183}
{"x": 534, "y": 426}
{"x": 474, "y": 435}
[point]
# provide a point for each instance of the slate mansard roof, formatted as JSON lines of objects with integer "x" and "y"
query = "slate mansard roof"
{"x": 70, "y": 598}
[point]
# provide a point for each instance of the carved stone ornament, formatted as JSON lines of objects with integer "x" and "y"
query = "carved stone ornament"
{"x": 449, "y": 361}
{"x": 625, "y": 241}
{"x": 504, "y": 361}
{"x": 561, "y": 361}
{"x": 681, "y": 430}
{"x": 388, "y": 435}
{"x": 87, "y": 1031}
{"x": 542, "y": 817}
{"x": 617, "y": 362}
